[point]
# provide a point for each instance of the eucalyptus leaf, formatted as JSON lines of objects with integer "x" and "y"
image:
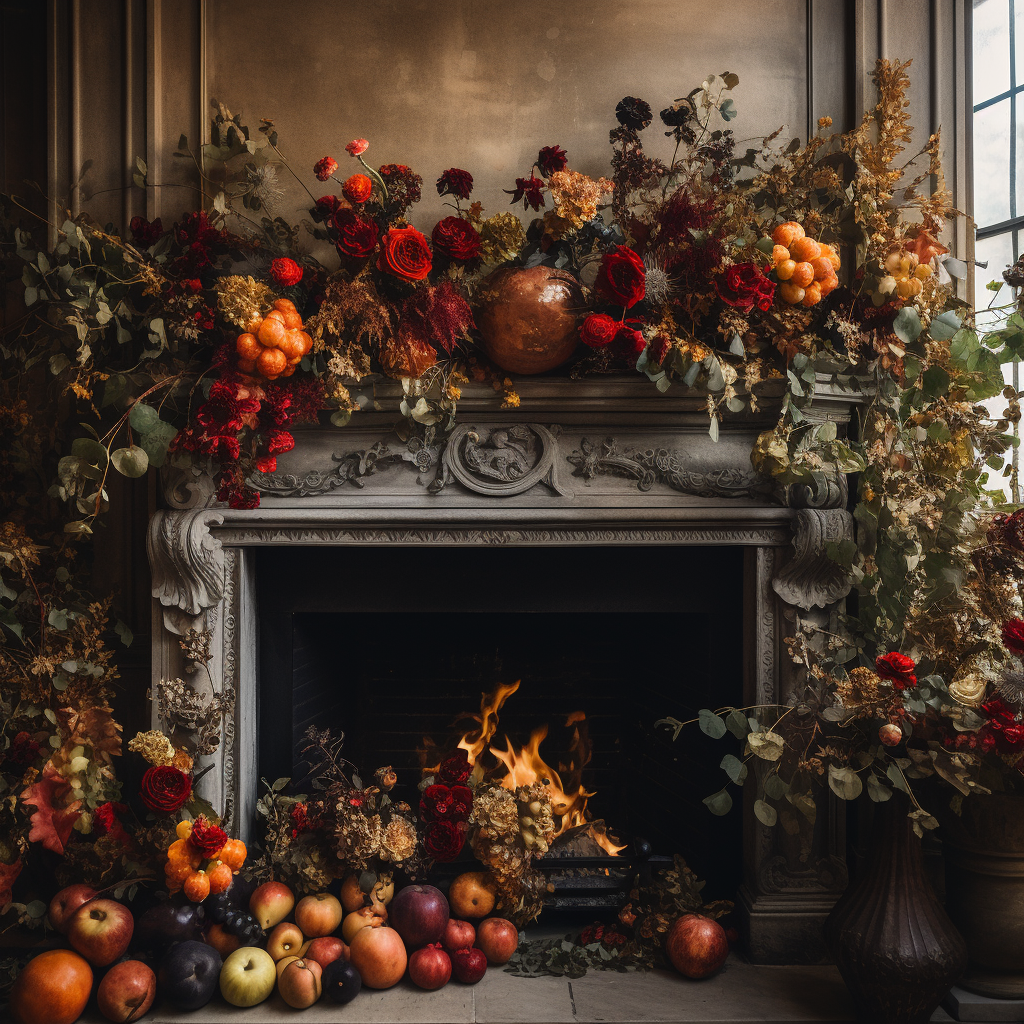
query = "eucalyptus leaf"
{"x": 131, "y": 462}
{"x": 711, "y": 724}
{"x": 767, "y": 745}
{"x": 734, "y": 768}
{"x": 844, "y": 782}
{"x": 719, "y": 803}
{"x": 736, "y": 723}
{"x": 143, "y": 417}
{"x": 907, "y": 326}
{"x": 765, "y": 813}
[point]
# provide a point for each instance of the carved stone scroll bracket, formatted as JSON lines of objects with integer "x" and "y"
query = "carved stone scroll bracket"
{"x": 187, "y": 565}
{"x": 189, "y": 485}
{"x": 812, "y": 579}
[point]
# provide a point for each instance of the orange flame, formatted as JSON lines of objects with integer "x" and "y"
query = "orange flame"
{"x": 490, "y": 705}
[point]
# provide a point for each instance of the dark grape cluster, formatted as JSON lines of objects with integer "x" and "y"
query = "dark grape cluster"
{"x": 218, "y": 906}
{"x": 245, "y": 927}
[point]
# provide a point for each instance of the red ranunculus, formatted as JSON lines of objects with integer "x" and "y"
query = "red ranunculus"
{"x": 622, "y": 279}
{"x": 443, "y": 840}
{"x": 743, "y": 286}
{"x": 1013, "y": 636}
{"x": 898, "y": 668}
{"x": 165, "y": 789}
{"x": 286, "y": 272}
{"x": 325, "y": 167}
{"x": 599, "y": 330}
{"x": 357, "y": 236}
{"x": 279, "y": 441}
{"x": 404, "y": 252}
{"x": 357, "y": 188}
{"x": 357, "y": 147}
{"x": 455, "y": 769}
{"x": 207, "y": 838}
{"x": 457, "y": 239}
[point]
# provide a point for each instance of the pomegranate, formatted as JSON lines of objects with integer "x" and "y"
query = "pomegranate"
{"x": 696, "y": 946}
{"x": 378, "y": 954}
{"x": 430, "y": 967}
{"x": 469, "y": 965}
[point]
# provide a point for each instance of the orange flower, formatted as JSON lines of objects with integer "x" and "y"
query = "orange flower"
{"x": 358, "y": 188}
{"x": 924, "y": 247}
{"x": 405, "y": 253}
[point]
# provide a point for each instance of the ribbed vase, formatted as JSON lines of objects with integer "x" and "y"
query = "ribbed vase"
{"x": 895, "y": 946}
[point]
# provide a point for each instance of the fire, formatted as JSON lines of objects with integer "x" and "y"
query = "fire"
{"x": 525, "y": 766}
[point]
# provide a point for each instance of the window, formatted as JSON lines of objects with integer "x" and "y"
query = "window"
{"x": 998, "y": 60}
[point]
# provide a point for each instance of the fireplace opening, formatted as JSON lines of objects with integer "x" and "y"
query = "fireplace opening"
{"x": 395, "y": 646}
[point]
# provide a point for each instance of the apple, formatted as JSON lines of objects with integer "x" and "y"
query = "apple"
{"x": 221, "y": 939}
{"x": 188, "y": 974}
{"x": 285, "y": 940}
{"x": 378, "y": 954}
{"x": 66, "y": 902}
{"x": 360, "y": 918}
{"x": 271, "y": 903}
{"x": 53, "y": 988}
{"x": 458, "y": 935}
{"x": 300, "y": 983}
{"x": 248, "y": 975}
{"x": 126, "y": 991}
{"x": 318, "y": 915}
{"x": 473, "y": 894}
{"x": 341, "y": 981}
{"x": 352, "y": 897}
{"x": 326, "y": 949}
{"x": 419, "y": 913}
{"x": 469, "y": 965}
{"x": 283, "y": 963}
{"x": 498, "y": 939}
{"x": 430, "y": 967}
{"x": 100, "y": 930}
{"x": 696, "y": 945}
{"x": 174, "y": 920}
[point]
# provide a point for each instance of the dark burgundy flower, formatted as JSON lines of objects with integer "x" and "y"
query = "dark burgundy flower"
{"x": 404, "y": 252}
{"x": 743, "y": 286}
{"x": 23, "y": 750}
{"x": 462, "y": 803}
{"x": 1008, "y": 530}
{"x": 436, "y": 802}
{"x": 455, "y": 182}
{"x": 629, "y": 342}
{"x": 279, "y": 441}
{"x": 457, "y": 239}
{"x": 403, "y": 185}
{"x": 357, "y": 236}
{"x": 633, "y": 113}
{"x": 622, "y": 279}
{"x": 439, "y": 317}
{"x": 1013, "y": 636}
{"x": 144, "y": 232}
{"x": 286, "y": 272}
{"x": 551, "y": 159}
{"x": 529, "y": 190}
{"x": 443, "y": 840}
{"x": 455, "y": 769}
{"x": 207, "y": 838}
{"x": 897, "y": 668}
{"x": 1011, "y": 737}
{"x": 660, "y": 348}
{"x": 599, "y": 330}
{"x": 165, "y": 789}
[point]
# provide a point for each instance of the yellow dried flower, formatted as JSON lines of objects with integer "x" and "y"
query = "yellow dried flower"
{"x": 576, "y": 197}
{"x": 242, "y": 299}
{"x": 154, "y": 746}
{"x": 501, "y": 237}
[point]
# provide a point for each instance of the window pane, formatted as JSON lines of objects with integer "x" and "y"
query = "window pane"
{"x": 991, "y": 48}
{"x": 998, "y": 252}
{"x": 992, "y": 164}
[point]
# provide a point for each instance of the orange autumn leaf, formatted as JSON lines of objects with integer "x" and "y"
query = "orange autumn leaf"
{"x": 90, "y": 727}
{"x": 924, "y": 247}
{"x": 53, "y": 819}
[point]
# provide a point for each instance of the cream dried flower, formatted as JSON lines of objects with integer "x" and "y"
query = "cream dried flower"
{"x": 495, "y": 813}
{"x": 154, "y": 746}
{"x": 398, "y": 841}
{"x": 357, "y": 838}
{"x": 242, "y": 299}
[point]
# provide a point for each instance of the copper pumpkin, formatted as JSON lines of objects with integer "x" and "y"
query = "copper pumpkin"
{"x": 527, "y": 317}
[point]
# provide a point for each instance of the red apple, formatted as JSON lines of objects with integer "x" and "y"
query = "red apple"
{"x": 469, "y": 965}
{"x": 221, "y": 939}
{"x": 419, "y": 913}
{"x": 378, "y": 954}
{"x": 498, "y": 938}
{"x": 318, "y": 915}
{"x": 127, "y": 991}
{"x": 458, "y": 935}
{"x": 299, "y": 983}
{"x": 430, "y": 967}
{"x": 100, "y": 930}
{"x": 53, "y": 988}
{"x": 66, "y": 902}
{"x": 270, "y": 903}
{"x": 326, "y": 949}
{"x": 696, "y": 945}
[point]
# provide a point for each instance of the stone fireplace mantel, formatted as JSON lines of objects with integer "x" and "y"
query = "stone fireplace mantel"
{"x": 592, "y": 463}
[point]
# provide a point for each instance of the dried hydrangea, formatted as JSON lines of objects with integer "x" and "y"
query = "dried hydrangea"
{"x": 398, "y": 841}
{"x": 576, "y": 197}
{"x": 179, "y": 705}
{"x": 501, "y": 237}
{"x": 242, "y": 299}
{"x": 154, "y": 746}
{"x": 495, "y": 813}
{"x": 195, "y": 645}
{"x": 357, "y": 837}
{"x": 864, "y": 688}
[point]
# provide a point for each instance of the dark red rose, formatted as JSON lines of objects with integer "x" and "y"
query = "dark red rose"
{"x": 207, "y": 838}
{"x": 743, "y": 286}
{"x": 457, "y": 239}
{"x": 165, "y": 789}
{"x": 551, "y": 159}
{"x": 599, "y": 330}
{"x": 436, "y": 802}
{"x": 443, "y": 840}
{"x": 999, "y": 712}
{"x": 622, "y": 279}
{"x": 1013, "y": 636}
{"x": 634, "y": 113}
{"x": 529, "y": 190}
{"x": 24, "y": 750}
{"x": 357, "y": 236}
{"x": 144, "y": 232}
{"x": 404, "y": 253}
{"x": 285, "y": 271}
{"x": 455, "y": 182}
{"x": 629, "y": 343}
{"x": 462, "y": 803}
{"x": 660, "y": 348}
{"x": 898, "y": 668}
{"x": 454, "y": 770}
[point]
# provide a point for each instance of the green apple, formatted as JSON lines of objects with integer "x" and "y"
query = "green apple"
{"x": 248, "y": 976}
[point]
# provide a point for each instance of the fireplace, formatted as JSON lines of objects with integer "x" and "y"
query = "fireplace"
{"x": 626, "y": 566}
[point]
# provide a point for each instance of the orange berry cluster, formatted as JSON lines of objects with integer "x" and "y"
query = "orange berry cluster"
{"x": 274, "y": 345}
{"x": 806, "y": 268}
{"x": 186, "y": 871}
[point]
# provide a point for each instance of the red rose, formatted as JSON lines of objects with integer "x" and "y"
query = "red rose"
{"x": 357, "y": 236}
{"x": 743, "y": 286}
{"x": 165, "y": 789}
{"x": 405, "y": 253}
{"x": 1013, "y": 636}
{"x": 357, "y": 147}
{"x": 454, "y": 770}
{"x": 207, "y": 838}
{"x": 443, "y": 840}
{"x": 629, "y": 343}
{"x": 286, "y": 272}
{"x": 357, "y": 188}
{"x": 325, "y": 167}
{"x": 622, "y": 279}
{"x": 462, "y": 803}
{"x": 457, "y": 239}
{"x": 435, "y": 803}
{"x": 898, "y": 668}
{"x": 599, "y": 330}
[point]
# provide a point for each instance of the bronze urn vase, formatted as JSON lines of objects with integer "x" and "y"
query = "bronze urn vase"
{"x": 527, "y": 317}
{"x": 895, "y": 946}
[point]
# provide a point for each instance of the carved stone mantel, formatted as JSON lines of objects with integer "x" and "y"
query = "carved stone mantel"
{"x": 610, "y": 462}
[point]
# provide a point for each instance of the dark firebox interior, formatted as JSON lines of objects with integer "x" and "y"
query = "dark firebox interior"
{"x": 396, "y": 645}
